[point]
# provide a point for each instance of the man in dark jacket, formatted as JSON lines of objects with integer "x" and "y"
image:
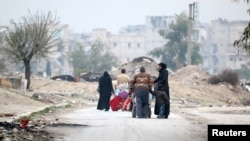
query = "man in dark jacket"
{"x": 162, "y": 80}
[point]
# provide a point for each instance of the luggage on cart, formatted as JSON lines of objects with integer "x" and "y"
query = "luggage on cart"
{"x": 124, "y": 95}
{"x": 115, "y": 103}
{"x": 126, "y": 104}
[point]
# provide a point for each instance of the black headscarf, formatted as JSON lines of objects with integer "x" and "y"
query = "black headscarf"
{"x": 105, "y": 83}
{"x": 106, "y": 74}
{"x": 163, "y": 66}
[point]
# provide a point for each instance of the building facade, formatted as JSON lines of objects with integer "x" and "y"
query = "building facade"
{"x": 124, "y": 46}
{"x": 218, "y": 50}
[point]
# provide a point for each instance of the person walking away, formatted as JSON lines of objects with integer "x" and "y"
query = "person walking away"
{"x": 123, "y": 78}
{"x": 122, "y": 84}
{"x": 162, "y": 79}
{"x": 142, "y": 87}
{"x": 106, "y": 90}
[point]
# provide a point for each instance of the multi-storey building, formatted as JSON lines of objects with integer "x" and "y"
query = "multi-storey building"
{"x": 58, "y": 59}
{"x": 135, "y": 41}
{"x": 218, "y": 50}
{"x": 124, "y": 46}
{"x": 153, "y": 25}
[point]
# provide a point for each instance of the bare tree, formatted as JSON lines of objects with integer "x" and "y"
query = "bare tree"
{"x": 32, "y": 37}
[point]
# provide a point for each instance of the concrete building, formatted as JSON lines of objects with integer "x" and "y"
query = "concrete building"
{"x": 58, "y": 58}
{"x": 153, "y": 25}
{"x": 124, "y": 46}
{"x": 135, "y": 41}
{"x": 218, "y": 50}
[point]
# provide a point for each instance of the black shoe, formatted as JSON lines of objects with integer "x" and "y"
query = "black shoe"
{"x": 106, "y": 110}
{"x": 160, "y": 116}
{"x": 142, "y": 117}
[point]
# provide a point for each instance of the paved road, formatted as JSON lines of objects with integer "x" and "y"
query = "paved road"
{"x": 120, "y": 126}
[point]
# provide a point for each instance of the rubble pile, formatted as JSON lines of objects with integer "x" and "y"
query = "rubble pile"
{"x": 190, "y": 84}
{"x": 133, "y": 67}
{"x": 189, "y": 73}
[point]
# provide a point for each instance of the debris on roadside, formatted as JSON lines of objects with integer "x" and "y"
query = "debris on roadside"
{"x": 28, "y": 130}
{"x": 64, "y": 78}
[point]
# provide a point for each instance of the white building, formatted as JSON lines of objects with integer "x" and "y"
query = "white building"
{"x": 135, "y": 41}
{"x": 59, "y": 56}
{"x": 218, "y": 50}
{"x": 125, "y": 47}
{"x": 153, "y": 25}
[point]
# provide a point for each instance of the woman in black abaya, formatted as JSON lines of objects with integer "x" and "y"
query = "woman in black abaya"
{"x": 163, "y": 80}
{"x": 105, "y": 91}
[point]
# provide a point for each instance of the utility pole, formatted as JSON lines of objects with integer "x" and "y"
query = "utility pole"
{"x": 193, "y": 11}
{"x": 190, "y": 22}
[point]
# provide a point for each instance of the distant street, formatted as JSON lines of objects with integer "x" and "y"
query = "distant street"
{"x": 111, "y": 126}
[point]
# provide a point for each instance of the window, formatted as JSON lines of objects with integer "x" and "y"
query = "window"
{"x": 214, "y": 48}
{"x": 138, "y": 44}
{"x": 129, "y": 45}
{"x": 114, "y": 44}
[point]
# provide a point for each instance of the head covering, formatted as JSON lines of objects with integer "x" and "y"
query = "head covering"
{"x": 163, "y": 66}
{"x": 105, "y": 74}
{"x": 142, "y": 69}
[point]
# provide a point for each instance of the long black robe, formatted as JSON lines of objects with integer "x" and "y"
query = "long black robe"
{"x": 106, "y": 89}
{"x": 163, "y": 80}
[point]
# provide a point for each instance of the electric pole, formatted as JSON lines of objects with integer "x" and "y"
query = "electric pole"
{"x": 193, "y": 11}
{"x": 189, "y": 47}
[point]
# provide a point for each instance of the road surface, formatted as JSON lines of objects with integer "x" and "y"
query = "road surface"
{"x": 120, "y": 126}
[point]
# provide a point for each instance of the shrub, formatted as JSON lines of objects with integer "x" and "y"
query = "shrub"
{"x": 215, "y": 79}
{"x": 229, "y": 76}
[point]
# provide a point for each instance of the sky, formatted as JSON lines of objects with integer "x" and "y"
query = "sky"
{"x": 84, "y": 15}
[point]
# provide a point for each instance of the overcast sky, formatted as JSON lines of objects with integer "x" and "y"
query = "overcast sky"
{"x": 84, "y": 15}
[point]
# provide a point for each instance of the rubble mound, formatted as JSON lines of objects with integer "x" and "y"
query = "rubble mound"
{"x": 133, "y": 67}
{"x": 189, "y": 73}
{"x": 190, "y": 84}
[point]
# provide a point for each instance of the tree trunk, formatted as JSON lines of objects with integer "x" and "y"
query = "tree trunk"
{"x": 27, "y": 72}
